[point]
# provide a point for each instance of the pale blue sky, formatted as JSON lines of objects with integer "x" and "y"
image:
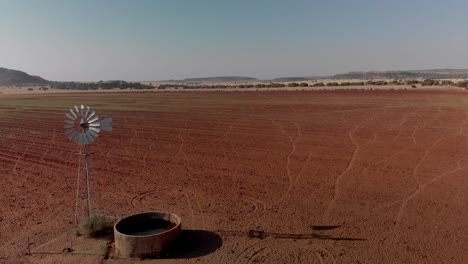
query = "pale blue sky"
{"x": 86, "y": 40}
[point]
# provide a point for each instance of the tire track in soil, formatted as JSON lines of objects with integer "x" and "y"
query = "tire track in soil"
{"x": 426, "y": 153}
{"x": 54, "y": 134}
{"x": 405, "y": 118}
{"x": 180, "y": 151}
{"x": 181, "y": 141}
{"x": 43, "y": 155}
{"x": 320, "y": 259}
{"x": 257, "y": 203}
{"x": 350, "y": 162}
{"x": 421, "y": 187}
{"x": 388, "y": 205}
{"x": 192, "y": 214}
{"x": 412, "y": 136}
{"x": 19, "y": 158}
{"x": 197, "y": 201}
{"x": 305, "y": 165}
{"x": 190, "y": 173}
{"x": 299, "y": 174}
{"x": 137, "y": 200}
{"x": 228, "y": 130}
{"x": 258, "y": 249}
{"x": 259, "y": 209}
{"x": 19, "y": 240}
{"x": 338, "y": 179}
{"x": 391, "y": 156}
{"x": 236, "y": 170}
{"x": 288, "y": 157}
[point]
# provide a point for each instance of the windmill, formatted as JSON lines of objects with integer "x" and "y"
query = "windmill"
{"x": 82, "y": 127}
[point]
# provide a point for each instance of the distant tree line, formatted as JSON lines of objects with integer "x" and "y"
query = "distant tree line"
{"x": 136, "y": 85}
{"x": 99, "y": 85}
{"x": 219, "y": 86}
{"x": 435, "y": 74}
{"x": 412, "y": 82}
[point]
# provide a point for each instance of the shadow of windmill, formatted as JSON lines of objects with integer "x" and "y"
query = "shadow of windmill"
{"x": 260, "y": 234}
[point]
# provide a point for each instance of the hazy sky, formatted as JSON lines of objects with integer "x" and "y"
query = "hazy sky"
{"x": 153, "y": 40}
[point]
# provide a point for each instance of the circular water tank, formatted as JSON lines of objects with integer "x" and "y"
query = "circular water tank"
{"x": 144, "y": 235}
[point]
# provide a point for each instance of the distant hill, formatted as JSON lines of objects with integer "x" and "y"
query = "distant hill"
{"x": 14, "y": 77}
{"x": 294, "y": 79}
{"x": 9, "y": 77}
{"x": 221, "y": 79}
{"x": 431, "y": 74}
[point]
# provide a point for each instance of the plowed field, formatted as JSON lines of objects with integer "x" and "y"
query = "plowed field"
{"x": 326, "y": 176}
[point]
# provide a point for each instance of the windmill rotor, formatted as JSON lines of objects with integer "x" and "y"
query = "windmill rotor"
{"x": 82, "y": 125}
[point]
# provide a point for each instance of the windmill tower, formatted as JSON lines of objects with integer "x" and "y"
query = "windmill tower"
{"x": 82, "y": 127}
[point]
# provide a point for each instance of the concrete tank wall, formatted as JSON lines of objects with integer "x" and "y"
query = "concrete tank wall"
{"x": 131, "y": 244}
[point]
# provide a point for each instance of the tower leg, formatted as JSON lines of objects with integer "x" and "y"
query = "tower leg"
{"x": 78, "y": 184}
{"x": 87, "y": 186}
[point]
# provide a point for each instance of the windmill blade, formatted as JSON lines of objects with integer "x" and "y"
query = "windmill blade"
{"x": 68, "y": 126}
{"x": 73, "y": 114}
{"x": 69, "y": 132}
{"x": 70, "y": 117}
{"x": 94, "y": 119}
{"x": 88, "y": 138}
{"x": 79, "y": 138}
{"x": 82, "y": 110}
{"x": 91, "y": 136}
{"x": 74, "y": 137}
{"x": 93, "y": 133}
{"x": 94, "y": 124}
{"x": 106, "y": 124}
{"x": 86, "y": 113}
{"x": 82, "y": 139}
{"x": 94, "y": 129}
{"x": 92, "y": 113}
{"x": 71, "y": 122}
{"x": 70, "y": 135}
{"x": 77, "y": 111}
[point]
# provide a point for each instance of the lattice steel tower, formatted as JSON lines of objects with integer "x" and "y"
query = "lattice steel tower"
{"x": 82, "y": 127}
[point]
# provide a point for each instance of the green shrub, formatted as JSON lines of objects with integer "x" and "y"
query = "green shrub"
{"x": 95, "y": 226}
{"x": 428, "y": 82}
{"x": 447, "y": 82}
{"x": 463, "y": 84}
{"x": 380, "y": 83}
{"x": 410, "y": 82}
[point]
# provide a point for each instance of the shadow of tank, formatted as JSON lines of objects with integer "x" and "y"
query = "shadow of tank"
{"x": 146, "y": 235}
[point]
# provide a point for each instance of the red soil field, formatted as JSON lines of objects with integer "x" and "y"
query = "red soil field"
{"x": 328, "y": 176}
